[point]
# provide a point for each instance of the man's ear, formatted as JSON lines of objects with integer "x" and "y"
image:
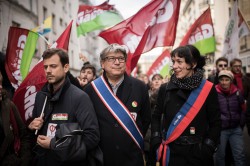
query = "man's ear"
{"x": 66, "y": 68}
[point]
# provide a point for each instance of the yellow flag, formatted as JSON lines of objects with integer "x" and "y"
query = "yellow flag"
{"x": 45, "y": 27}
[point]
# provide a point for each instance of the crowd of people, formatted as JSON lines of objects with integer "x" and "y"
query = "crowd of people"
{"x": 116, "y": 119}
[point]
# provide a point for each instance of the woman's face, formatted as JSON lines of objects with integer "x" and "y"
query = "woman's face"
{"x": 225, "y": 82}
{"x": 156, "y": 83}
{"x": 181, "y": 68}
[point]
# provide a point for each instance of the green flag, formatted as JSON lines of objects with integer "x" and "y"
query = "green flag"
{"x": 28, "y": 52}
{"x": 91, "y": 18}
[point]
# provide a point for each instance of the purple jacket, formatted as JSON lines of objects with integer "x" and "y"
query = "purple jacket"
{"x": 230, "y": 105}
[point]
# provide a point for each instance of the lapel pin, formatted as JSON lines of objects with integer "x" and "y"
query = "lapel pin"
{"x": 134, "y": 104}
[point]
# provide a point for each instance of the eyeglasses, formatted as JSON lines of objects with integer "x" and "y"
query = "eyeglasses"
{"x": 222, "y": 65}
{"x": 237, "y": 66}
{"x": 113, "y": 59}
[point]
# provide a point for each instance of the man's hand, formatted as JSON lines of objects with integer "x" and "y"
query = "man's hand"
{"x": 36, "y": 124}
{"x": 43, "y": 141}
{"x": 82, "y": 81}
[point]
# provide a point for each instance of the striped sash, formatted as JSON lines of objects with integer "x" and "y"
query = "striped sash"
{"x": 183, "y": 118}
{"x": 118, "y": 110}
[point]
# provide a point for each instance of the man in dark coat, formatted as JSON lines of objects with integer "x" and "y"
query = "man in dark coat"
{"x": 64, "y": 103}
{"x": 118, "y": 146}
{"x": 221, "y": 64}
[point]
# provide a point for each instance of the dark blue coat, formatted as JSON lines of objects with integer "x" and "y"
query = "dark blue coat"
{"x": 118, "y": 147}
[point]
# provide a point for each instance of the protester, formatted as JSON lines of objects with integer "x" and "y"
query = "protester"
{"x": 6, "y": 83}
{"x": 155, "y": 84}
{"x": 221, "y": 64}
{"x": 122, "y": 106}
{"x": 145, "y": 79}
{"x": 240, "y": 80}
{"x": 63, "y": 104}
{"x": 15, "y": 147}
{"x": 191, "y": 124}
{"x": 87, "y": 74}
{"x": 232, "y": 111}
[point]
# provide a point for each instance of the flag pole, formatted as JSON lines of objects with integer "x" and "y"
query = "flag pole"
{"x": 47, "y": 42}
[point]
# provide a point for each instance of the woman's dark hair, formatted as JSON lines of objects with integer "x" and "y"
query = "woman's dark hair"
{"x": 191, "y": 55}
{"x": 155, "y": 75}
{"x": 63, "y": 55}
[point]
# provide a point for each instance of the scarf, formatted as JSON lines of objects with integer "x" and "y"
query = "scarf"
{"x": 188, "y": 83}
{"x": 225, "y": 91}
{"x": 238, "y": 79}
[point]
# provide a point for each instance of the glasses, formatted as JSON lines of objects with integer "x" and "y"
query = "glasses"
{"x": 221, "y": 65}
{"x": 237, "y": 66}
{"x": 113, "y": 59}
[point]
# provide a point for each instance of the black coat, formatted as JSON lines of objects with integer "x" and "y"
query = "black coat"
{"x": 207, "y": 122}
{"x": 118, "y": 147}
{"x": 7, "y": 153}
{"x": 77, "y": 105}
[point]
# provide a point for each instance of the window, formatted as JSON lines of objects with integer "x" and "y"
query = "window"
{"x": 54, "y": 23}
{"x": 45, "y": 13}
{"x": 61, "y": 22}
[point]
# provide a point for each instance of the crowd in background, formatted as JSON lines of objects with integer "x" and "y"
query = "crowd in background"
{"x": 231, "y": 92}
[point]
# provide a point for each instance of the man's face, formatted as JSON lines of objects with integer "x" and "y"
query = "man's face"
{"x": 114, "y": 64}
{"x": 222, "y": 65}
{"x": 87, "y": 74}
{"x": 236, "y": 67}
{"x": 55, "y": 72}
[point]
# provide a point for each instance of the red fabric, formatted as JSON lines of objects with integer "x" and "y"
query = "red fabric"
{"x": 158, "y": 64}
{"x": 17, "y": 142}
{"x": 238, "y": 78}
{"x": 153, "y": 26}
{"x": 230, "y": 90}
{"x": 89, "y": 9}
{"x": 16, "y": 43}
{"x": 24, "y": 97}
{"x": 196, "y": 32}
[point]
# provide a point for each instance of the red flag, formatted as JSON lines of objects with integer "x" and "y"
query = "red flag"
{"x": 201, "y": 34}
{"x": 20, "y": 50}
{"x": 153, "y": 26}
{"x": 24, "y": 97}
{"x": 160, "y": 65}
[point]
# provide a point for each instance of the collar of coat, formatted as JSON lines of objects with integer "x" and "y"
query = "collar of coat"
{"x": 56, "y": 96}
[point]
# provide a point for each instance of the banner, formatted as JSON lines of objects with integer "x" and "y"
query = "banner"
{"x": 24, "y": 97}
{"x": 90, "y": 18}
{"x": 201, "y": 34}
{"x": 153, "y": 26}
{"x": 20, "y": 50}
{"x": 45, "y": 27}
{"x": 231, "y": 41}
{"x": 243, "y": 26}
{"x": 161, "y": 65}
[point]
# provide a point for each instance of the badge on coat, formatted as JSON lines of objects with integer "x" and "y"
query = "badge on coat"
{"x": 134, "y": 115}
{"x": 192, "y": 130}
{"x": 60, "y": 116}
{"x": 51, "y": 131}
{"x": 134, "y": 104}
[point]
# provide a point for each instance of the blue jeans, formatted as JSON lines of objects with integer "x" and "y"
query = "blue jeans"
{"x": 235, "y": 138}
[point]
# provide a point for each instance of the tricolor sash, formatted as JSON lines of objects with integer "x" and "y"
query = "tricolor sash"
{"x": 183, "y": 118}
{"x": 118, "y": 110}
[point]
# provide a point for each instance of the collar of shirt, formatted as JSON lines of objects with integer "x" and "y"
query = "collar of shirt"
{"x": 115, "y": 87}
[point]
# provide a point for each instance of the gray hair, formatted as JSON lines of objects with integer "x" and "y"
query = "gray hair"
{"x": 113, "y": 48}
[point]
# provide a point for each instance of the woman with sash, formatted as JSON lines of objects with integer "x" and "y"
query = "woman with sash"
{"x": 186, "y": 123}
